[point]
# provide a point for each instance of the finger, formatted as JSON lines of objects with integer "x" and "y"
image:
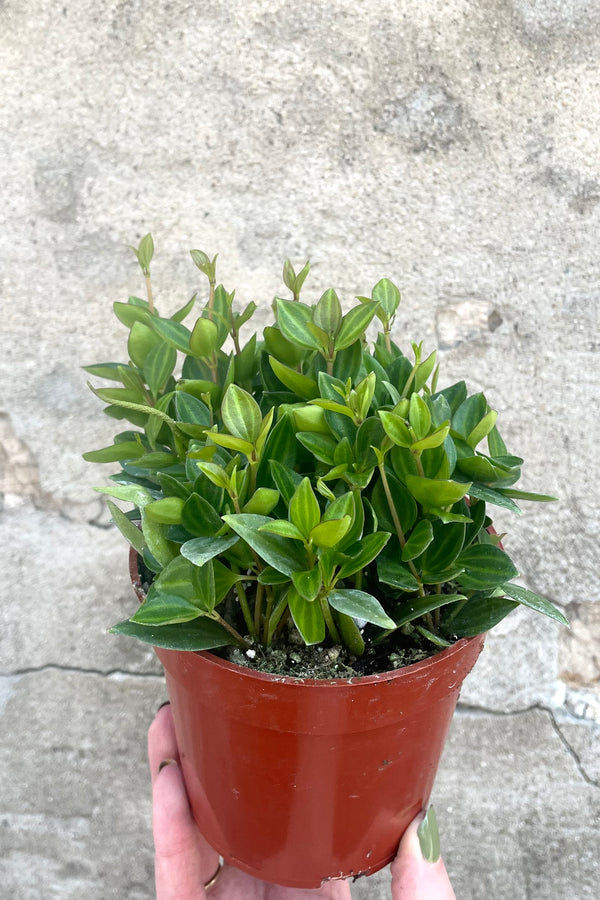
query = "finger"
{"x": 182, "y": 864}
{"x": 418, "y": 872}
{"x": 162, "y": 743}
{"x": 180, "y": 848}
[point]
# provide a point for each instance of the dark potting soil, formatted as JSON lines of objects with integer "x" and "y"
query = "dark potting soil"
{"x": 319, "y": 661}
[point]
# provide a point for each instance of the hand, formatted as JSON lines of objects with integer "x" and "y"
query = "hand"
{"x": 184, "y": 861}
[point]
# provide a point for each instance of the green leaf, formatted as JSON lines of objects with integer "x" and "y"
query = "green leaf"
{"x": 482, "y": 429}
{"x": 172, "y": 332}
{"x": 360, "y": 605}
{"x": 527, "y": 495}
{"x": 308, "y": 584}
{"x": 424, "y": 370}
{"x": 354, "y": 324}
{"x": 468, "y": 415}
{"x": 483, "y": 492}
{"x": 391, "y": 571}
{"x": 142, "y": 340}
{"x": 129, "y": 531}
{"x": 433, "y": 638}
{"x": 204, "y": 583}
{"x": 349, "y": 633}
{"x": 369, "y": 548}
{"x": 496, "y": 445}
{"x": 308, "y": 618}
{"x": 283, "y": 528}
{"x": 158, "y": 365}
{"x": 277, "y": 345}
{"x": 168, "y": 510}
{"x": 419, "y": 417}
{"x": 129, "y": 493}
{"x": 231, "y": 442}
{"x": 320, "y": 445}
{"x": 307, "y": 388}
{"x": 304, "y": 510}
{"x": 164, "y": 609}
{"x": 395, "y": 428}
{"x": 145, "y": 251}
{"x": 269, "y": 575}
{"x": 330, "y": 533}
{"x": 448, "y": 541}
{"x": 262, "y": 502}
{"x": 420, "y": 538}
{"x": 286, "y": 479}
{"x": 184, "y": 311}
{"x": 435, "y": 492}
{"x": 480, "y": 614}
{"x": 215, "y": 474}
{"x": 485, "y": 566}
{"x": 201, "y": 549}
{"x": 284, "y": 555}
{"x": 413, "y": 609}
{"x": 116, "y": 452}
{"x": 534, "y": 601}
{"x": 292, "y": 318}
{"x": 387, "y": 295}
{"x": 191, "y": 410}
{"x": 328, "y": 313}
{"x": 433, "y": 440}
{"x": 204, "y": 339}
{"x": 199, "y": 517}
{"x": 201, "y": 634}
{"x": 241, "y": 414}
{"x": 128, "y": 313}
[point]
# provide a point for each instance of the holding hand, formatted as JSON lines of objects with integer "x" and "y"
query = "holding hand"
{"x": 187, "y": 868}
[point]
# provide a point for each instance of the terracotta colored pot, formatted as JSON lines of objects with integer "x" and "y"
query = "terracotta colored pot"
{"x": 298, "y": 781}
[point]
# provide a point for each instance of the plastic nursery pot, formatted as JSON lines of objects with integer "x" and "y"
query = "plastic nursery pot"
{"x": 299, "y": 781}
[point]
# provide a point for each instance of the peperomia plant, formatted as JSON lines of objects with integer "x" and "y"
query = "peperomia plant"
{"x": 305, "y": 481}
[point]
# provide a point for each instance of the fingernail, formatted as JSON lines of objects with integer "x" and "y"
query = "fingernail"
{"x": 167, "y": 762}
{"x": 429, "y": 837}
{"x": 166, "y": 703}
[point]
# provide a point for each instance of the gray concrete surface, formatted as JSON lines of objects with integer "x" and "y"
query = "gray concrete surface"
{"x": 451, "y": 146}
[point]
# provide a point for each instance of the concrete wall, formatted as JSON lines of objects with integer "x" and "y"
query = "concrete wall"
{"x": 452, "y": 146}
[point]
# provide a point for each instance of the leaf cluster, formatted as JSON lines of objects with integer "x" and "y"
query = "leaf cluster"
{"x": 304, "y": 479}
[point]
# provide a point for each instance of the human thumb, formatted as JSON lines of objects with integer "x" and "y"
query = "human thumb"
{"x": 418, "y": 871}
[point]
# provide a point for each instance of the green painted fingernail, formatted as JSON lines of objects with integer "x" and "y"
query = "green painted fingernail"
{"x": 429, "y": 837}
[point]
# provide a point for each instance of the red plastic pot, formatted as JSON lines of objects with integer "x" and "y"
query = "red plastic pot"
{"x": 299, "y": 781}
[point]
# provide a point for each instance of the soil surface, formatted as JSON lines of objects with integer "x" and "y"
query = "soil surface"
{"x": 300, "y": 661}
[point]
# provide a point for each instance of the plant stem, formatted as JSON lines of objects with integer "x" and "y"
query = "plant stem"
{"x": 241, "y": 592}
{"x": 149, "y": 292}
{"x": 329, "y": 620}
{"x": 260, "y": 589}
{"x": 269, "y": 610}
{"x": 235, "y": 634}
{"x": 398, "y": 526}
{"x": 388, "y": 343}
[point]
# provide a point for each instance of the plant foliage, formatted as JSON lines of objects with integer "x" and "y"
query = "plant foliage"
{"x": 303, "y": 479}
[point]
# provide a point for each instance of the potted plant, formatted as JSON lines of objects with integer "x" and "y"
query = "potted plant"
{"x": 316, "y": 565}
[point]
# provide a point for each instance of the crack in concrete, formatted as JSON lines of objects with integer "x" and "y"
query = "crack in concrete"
{"x": 115, "y": 674}
{"x": 484, "y": 711}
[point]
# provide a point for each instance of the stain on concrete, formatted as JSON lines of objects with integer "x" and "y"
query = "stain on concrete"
{"x": 427, "y": 118}
{"x": 465, "y": 320}
{"x": 19, "y": 475}
{"x": 541, "y": 21}
{"x": 58, "y": 183}
{"x": 582, "y": 194}
{"x": 580, "y": 646}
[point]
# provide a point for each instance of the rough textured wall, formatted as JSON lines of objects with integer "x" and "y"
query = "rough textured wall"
{"x": 452, "y": 146}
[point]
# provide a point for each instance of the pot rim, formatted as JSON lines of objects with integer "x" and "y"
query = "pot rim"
{"x": 272, "y": 677}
